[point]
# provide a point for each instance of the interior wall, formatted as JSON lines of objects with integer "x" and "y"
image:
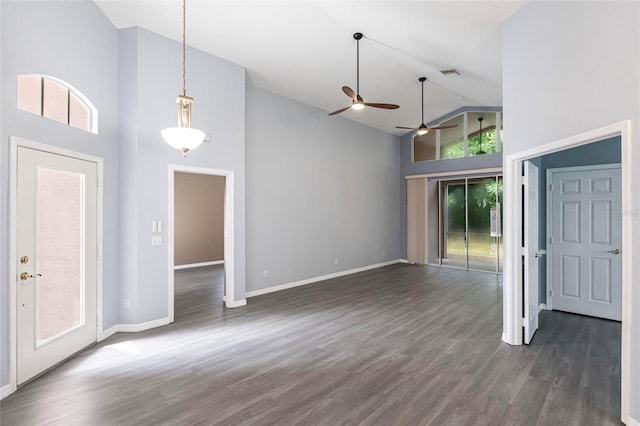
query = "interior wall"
{"x": 218, "y": 88}
{"x": 75, "y": 42}
{"x": 198, "y": 218}
{"x": 318, "y": 188}
{"x": 553, "y": 79}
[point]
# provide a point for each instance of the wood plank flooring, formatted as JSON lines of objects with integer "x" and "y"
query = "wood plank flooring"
{"x": 399, "y": 345}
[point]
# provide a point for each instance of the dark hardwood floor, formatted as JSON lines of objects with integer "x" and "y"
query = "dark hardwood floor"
{"x": 402, "y": 344}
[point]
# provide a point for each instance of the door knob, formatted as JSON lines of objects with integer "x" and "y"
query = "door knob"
{"x": 25, "y": 276}
{"x": 537, "y": 255}
{"x": 614, "y": 251}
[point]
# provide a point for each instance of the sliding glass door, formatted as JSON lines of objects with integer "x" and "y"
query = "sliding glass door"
{"x": 471, "y": 225}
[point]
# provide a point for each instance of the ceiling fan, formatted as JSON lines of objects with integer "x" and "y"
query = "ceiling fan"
{"x": 423, "y": 129}
{"x": 357, "y": 102}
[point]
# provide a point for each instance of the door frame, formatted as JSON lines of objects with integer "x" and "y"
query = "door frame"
{"x": 15, "y": 143}
{"x": 229, "y": 235}
{"x": 513, "y": 277}
{"x": 549, "y": 214}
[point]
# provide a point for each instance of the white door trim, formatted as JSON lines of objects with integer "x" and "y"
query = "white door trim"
{"x": 512, "y": 297}
{"x": 549, "y": 213}
{"x": 13, "y": 249}
{"x": 229, "y": 236}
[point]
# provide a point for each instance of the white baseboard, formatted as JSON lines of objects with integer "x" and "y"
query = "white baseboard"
{"x": 403, "y": 261}
{"x": 197, "y": 265}
{"x": 320, "y": 278}
{"x": 542, "y": 307}
{"x": 105, "y": 334}
{"x": 5, "y": 391}
{"x": 236, "y": 303}
{"x": 630, "y": 421}
{"x": 135, "y": 328}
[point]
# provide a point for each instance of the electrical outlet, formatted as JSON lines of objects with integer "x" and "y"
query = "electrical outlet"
{"x": 156, "y": 241}
{"x": 127, "y": 303}
{"x": 335, "y": 261}
{"x": 265, "y": 273}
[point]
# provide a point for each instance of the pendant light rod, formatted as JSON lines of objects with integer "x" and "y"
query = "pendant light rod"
{"x": 422, "y": 80}
{"x": 184, "y": 47}
{"x": 357, "y": 36}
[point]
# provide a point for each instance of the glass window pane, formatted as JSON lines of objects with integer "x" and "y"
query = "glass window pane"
{"x": 454, "y": 250}
{"x": 481, "y": 137}
{"x": 30, "y": 93}
{"x": 59, "y": 294}
{"x": 501, "y": 131}
{"x": 79, "y": 115}
{"x": 451, "y": 140}
{"x": 424, "y": 147}
{"x": 56, "y": 101}
{"x": 483, "y": 246}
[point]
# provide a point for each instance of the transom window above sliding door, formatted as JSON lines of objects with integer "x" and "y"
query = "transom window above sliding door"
{"x": 54, "y": 99}
{"x": 471, "y": 133}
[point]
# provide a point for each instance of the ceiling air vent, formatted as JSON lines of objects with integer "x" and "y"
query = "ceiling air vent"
{"x": 451, "y": 71}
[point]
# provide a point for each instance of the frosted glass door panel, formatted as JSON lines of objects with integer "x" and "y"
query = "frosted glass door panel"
{"x": 59, "y": 249}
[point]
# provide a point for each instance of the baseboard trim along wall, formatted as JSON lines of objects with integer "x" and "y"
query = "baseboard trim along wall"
{"x": 5, "y": 391}
{"x": 320, "y": 278}
{"x": 235, "y": 303}
{"x": 132, "y": 328}
{"x": 542, "y": 307}
{"x": 198, "y": 265}
{"x": 632, "y": 422}
{"x": 105, "y": 334}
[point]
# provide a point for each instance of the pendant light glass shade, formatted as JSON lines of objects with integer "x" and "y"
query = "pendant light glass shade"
{"x": 183, "y": 137}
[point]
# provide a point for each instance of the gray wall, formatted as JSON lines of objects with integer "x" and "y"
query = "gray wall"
{"x": 318, "y": 187}
{"x": 76, "y": 43}
{"x": 603, "y": 152}
{"x": 152, "y": 64}
{"x": 435, "y": 166}
{"x": 553, "y": 79}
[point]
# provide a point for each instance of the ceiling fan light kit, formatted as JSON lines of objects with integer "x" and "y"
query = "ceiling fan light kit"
{"x": 357, "y": 103}
{"x": 183, "y": 137}
{"x": 422, "y": 129}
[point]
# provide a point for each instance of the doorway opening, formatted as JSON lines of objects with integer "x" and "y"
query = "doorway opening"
{"x": 514, "y": 293}
{"x": 201, "y": 235}
{"x": 198, "y": 236}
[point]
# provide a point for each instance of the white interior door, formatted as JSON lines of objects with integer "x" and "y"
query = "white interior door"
{"x": 531, "y": 251}
{"x": 56, "y": 259}
{"x": 586, "y": 236}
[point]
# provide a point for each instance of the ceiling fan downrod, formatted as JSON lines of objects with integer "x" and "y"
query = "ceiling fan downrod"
{"x": 357, "y": 36}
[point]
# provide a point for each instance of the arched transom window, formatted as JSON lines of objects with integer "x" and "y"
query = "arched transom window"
{"x": 53, "y": 98}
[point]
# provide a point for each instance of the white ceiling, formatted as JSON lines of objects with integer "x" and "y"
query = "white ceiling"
{"x": 304, "y": 50}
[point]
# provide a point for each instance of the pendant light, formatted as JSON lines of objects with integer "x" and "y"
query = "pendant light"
{"x": 183, "y": 137}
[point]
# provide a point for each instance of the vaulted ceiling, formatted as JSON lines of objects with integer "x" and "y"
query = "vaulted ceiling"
{"x": 304, "y": 50}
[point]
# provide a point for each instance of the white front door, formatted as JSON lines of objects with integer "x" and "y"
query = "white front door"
{"x": 586, "y": 237}
{"x": 531, "y": 252}
{"x": 56, "y": 259}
